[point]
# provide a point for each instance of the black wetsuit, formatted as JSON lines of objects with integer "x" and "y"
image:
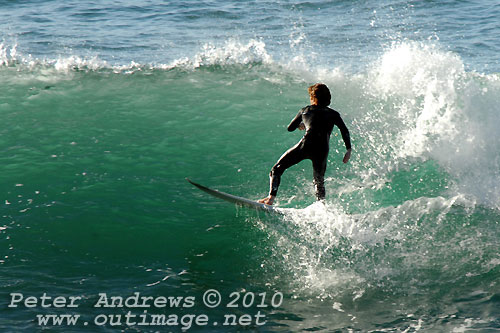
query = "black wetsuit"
{"x": 314, "y": 145}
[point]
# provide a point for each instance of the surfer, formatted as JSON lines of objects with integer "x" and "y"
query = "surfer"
{"x": 318, "y": 121}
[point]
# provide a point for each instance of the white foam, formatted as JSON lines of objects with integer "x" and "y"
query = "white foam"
{"x": 74, "y": 62}
{"x": 7, "y": 54}
{"x": 319, "y": 235}
{"x": 229, "y": 52}
{"x": 443, "y": 112}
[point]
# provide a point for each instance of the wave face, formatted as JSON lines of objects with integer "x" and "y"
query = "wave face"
{"x": 99, "y": 131}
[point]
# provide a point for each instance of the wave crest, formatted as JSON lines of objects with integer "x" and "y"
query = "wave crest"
{"x": 443, "y": 112}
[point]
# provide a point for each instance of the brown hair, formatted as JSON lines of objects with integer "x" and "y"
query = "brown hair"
{"x": 321, "y": 93}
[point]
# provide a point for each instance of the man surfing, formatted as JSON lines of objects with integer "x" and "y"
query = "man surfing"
{"x": 318, "y": 121}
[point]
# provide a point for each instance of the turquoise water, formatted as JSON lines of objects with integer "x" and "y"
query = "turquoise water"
{"x": 106, "y": 108}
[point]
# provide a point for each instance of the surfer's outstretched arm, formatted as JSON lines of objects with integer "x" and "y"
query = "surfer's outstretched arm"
{"x": 295, "y": 123}
{"x": 345, "y": 136}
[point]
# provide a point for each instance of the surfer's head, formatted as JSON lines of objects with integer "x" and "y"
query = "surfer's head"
{"x": 320, "y": 94}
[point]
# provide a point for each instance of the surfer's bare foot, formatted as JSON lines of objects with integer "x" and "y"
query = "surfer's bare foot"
{"x": 268, "y": 200}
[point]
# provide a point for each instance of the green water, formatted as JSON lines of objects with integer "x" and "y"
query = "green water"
{"x": 95, "y": 200}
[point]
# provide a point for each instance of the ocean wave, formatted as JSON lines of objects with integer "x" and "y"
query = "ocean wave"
{"x": 441, "y": 112}
{"x": 231, "y": 53}
{"x": 333, "y": 254}
{"x": 417, "y": 101}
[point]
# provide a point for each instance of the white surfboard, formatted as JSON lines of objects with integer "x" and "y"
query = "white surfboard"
{"x": 235, "y": 199}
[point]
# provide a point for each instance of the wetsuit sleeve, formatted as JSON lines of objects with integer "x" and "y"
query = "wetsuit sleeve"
{"x": 343, "y": 130}
{"x": 294, "y": 124}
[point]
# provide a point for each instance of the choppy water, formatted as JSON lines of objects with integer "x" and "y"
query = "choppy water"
{"x": 107, "y": 107}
